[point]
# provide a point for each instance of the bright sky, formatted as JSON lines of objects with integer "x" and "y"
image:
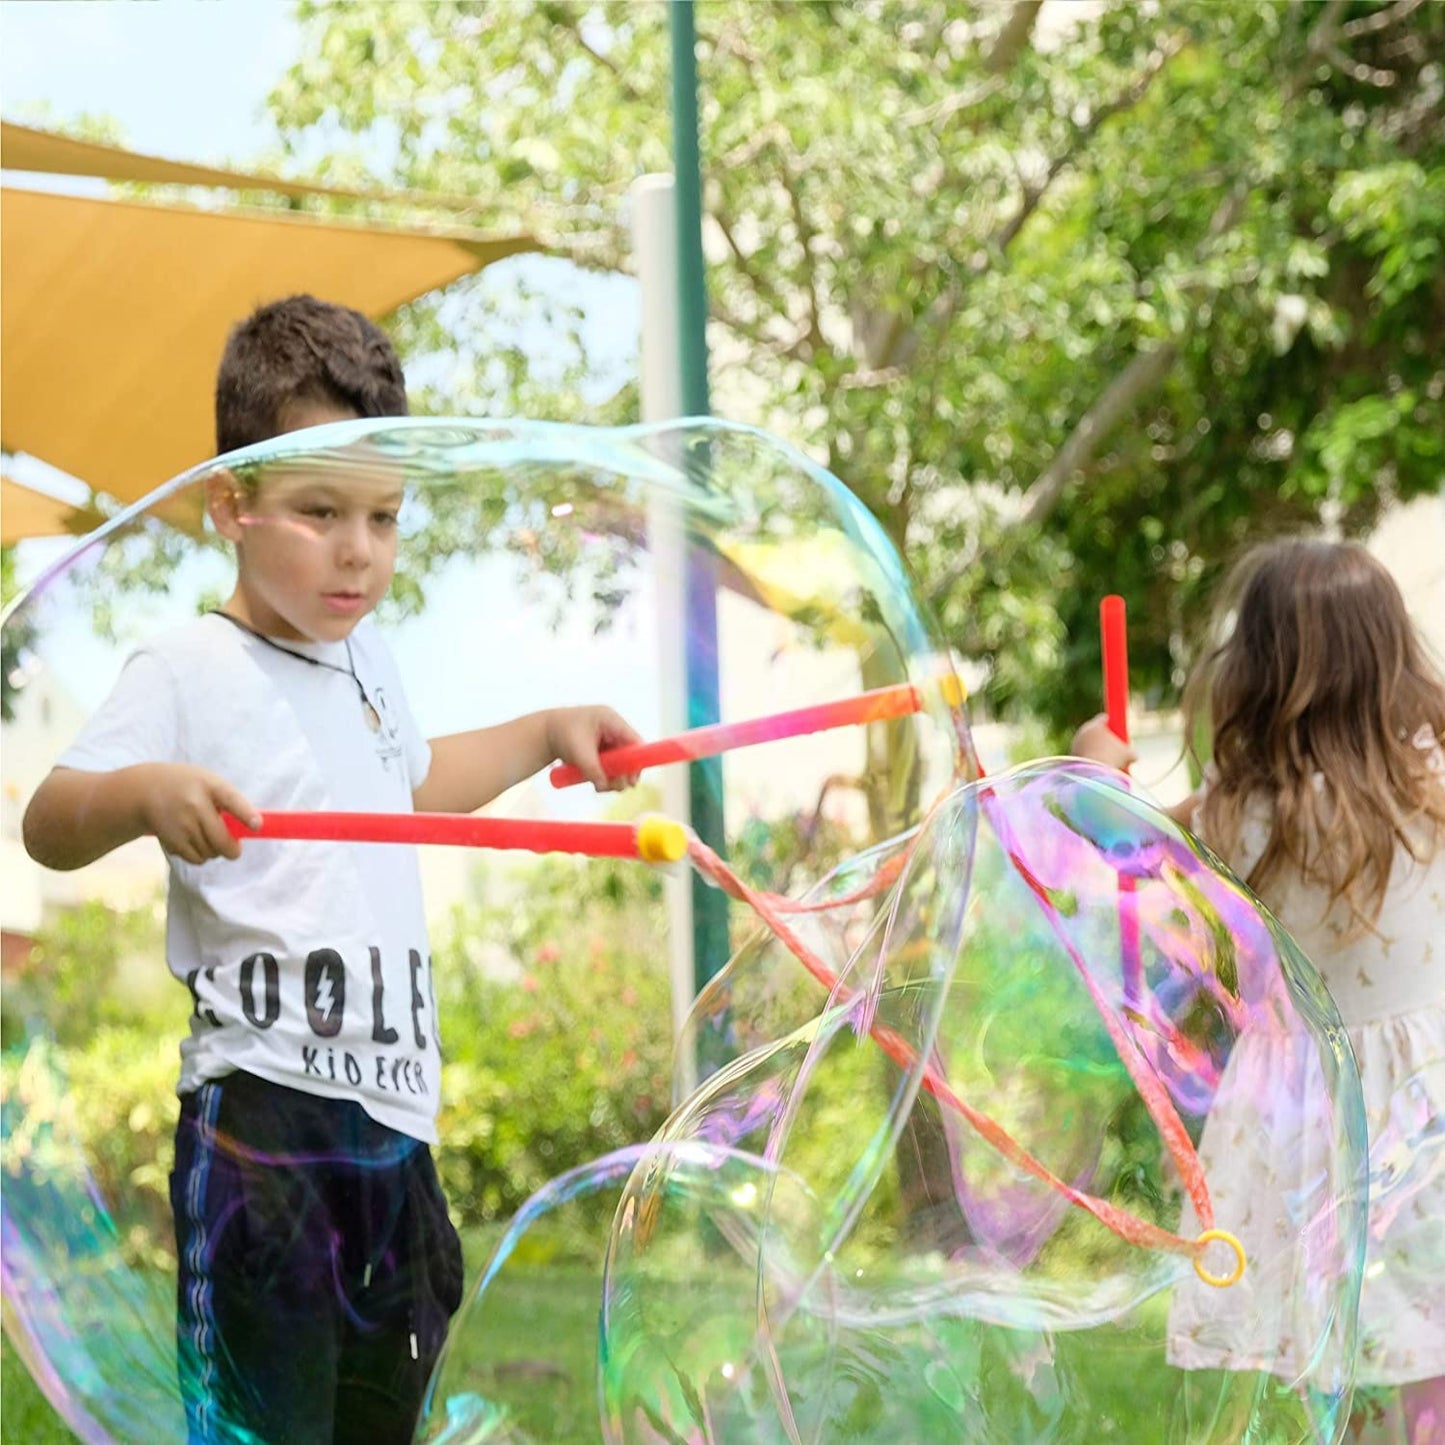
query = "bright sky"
{"x": 184, "y": 78}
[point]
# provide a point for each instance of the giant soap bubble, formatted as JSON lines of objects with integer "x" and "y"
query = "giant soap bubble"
{"x": 966, "y": 1187}
{"x": 949, "y": 1133}
{"x": 539, "y": 565}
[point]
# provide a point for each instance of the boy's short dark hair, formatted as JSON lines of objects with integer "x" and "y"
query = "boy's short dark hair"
{"x": 301, "y": 350}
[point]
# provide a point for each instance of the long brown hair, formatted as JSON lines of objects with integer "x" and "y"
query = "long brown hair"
{"x": 1320, "y": 675}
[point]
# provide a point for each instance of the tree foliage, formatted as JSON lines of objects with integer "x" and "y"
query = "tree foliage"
{"x": 1072, "y": 310}
{"x": 18, "y": 637}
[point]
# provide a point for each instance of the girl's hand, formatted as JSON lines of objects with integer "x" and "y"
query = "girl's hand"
{"x": 182, "y": 807}
{"x": 577, "y": 735}
{"x": 1098, "y": 742}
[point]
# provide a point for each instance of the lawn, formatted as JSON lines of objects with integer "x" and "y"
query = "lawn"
{"x": 541, "y": 1338}
{"x": 26, "y": 1417}
{"x": 539, "y": 1347}
{"x": 533, "y": 1350}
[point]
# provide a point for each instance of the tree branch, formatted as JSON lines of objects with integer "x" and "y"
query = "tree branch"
{"x": 805, "y": 239}
{"x": 872, "y": 379}
{"x": 952, "y": 105}
{"x": 897, "y": 329}
{"x": 1326, "y": 27}
{"x": 1138, "y": 379}
{"x": 1013, "y": 39}
{"x": 1141, "y": 376}
{"x": 563, "y": 20}
{"x": 1125, "y": 100}
{"x": 1358, "y": 70}
{"x": 745, "y": 153}
{"x": 1380, "y": 20}
{"x": 762, "y": 287}
{"x": 998, "y": 243}
{"x": 886, "y": 355}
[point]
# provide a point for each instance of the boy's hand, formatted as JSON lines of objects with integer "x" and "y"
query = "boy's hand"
{"x": 182, "y": 808}
{"x": 577, "y": 734}
{"x": 1097, "y": 741}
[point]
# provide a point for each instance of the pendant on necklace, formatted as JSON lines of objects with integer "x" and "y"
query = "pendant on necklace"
{"x": 373, "y": 718}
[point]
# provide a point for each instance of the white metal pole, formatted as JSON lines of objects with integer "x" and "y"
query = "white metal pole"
{"x": 654, "y": 239}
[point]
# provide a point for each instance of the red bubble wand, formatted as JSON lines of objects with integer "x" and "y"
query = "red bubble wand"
{"x": 652, "y": 840}
{"x": 901, "y": 700}
{"x": 1113, "y": 632}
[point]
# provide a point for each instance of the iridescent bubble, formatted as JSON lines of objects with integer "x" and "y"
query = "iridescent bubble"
{"x": 1013, "y": 1125}
{"x": 965, "y": 1198}
{"x": 950, "y": 1132}
{"x": 538, "y": 565}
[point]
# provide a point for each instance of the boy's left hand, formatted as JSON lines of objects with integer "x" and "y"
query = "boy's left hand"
{"x": 577, "y": 735}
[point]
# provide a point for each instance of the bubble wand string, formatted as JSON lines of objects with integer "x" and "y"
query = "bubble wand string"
{"x": 1128, "y": 1227}
{"x": 1114, "y": 639}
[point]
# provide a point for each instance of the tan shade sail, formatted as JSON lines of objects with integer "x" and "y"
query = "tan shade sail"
{"x": 25, "y": 512}
{"x": 114, "y": 315}
{"x": 24, "y": 148}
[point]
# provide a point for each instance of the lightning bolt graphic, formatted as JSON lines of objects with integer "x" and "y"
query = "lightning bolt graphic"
{"x": 324, "y": 1000}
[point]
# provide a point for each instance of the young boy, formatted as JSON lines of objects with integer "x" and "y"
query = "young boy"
{"x": 318, "y": 1267}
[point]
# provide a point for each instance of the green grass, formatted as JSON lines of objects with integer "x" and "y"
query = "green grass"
{"x": 538, "y": 1347}
{"x": 26, "y": 1416}
{"x": 533, "y": 1351}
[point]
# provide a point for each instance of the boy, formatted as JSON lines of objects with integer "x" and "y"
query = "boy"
{"x": 318, "y": 1267}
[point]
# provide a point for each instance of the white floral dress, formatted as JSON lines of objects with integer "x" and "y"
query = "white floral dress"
{"x": 1389, "y": 987}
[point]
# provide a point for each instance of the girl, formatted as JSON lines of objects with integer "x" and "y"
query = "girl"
{"x": 1326, "y": 793}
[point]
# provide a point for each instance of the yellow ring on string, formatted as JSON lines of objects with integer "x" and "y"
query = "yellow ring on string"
{"x": 1220, "y": 1281}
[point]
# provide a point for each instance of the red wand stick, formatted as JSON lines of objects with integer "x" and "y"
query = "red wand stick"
{"x": 1113, "y": 632}
{"x": 652, "y": 840}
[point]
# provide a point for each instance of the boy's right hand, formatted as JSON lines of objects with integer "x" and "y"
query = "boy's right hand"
{"x": 182, "y": 807}
{"x": 1098, "y": 742}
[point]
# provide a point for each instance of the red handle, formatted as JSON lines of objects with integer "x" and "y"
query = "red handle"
{"x": 533, "y": 835}
{"x": 1113, "y": 631}
{"x": 900, "y": 700}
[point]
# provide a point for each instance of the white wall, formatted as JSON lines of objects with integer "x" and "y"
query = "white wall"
{"x": 1411, "y": 543}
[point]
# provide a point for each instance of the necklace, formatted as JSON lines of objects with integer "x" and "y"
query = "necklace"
{"x": 368, "y": 708}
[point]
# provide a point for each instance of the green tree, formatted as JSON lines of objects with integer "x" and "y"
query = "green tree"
{"x": 1071, "y": 311}
{"x": 18, "y": 637}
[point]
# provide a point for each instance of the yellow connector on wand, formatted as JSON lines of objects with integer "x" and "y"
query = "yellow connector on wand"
{"x": 660, "y": 840}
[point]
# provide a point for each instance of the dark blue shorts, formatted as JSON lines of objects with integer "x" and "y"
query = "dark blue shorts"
{"x": 318, "y": 1269}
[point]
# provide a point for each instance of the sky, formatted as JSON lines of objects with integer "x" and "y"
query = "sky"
{"x": 185, "y": 79}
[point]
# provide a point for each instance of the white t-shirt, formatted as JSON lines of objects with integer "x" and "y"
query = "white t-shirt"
{"x": 308, "y": 962}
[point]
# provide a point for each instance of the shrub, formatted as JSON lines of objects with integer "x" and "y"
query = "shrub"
{"x": 557, "y": 1029}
